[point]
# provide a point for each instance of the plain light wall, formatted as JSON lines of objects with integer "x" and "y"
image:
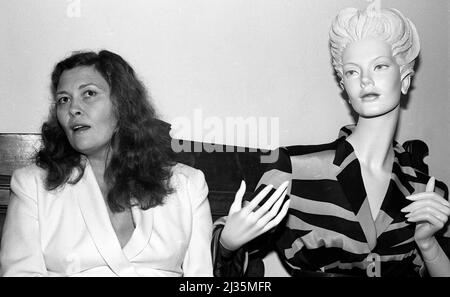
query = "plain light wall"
{"x": 222, "y": 59}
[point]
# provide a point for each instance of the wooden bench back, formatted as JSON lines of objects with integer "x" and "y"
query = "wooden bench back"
{"x": 224, "y": 168}
{"x": 16, "y": 150}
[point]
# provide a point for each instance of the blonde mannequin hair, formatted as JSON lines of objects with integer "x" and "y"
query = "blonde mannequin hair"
{"x": 387, "y": 24}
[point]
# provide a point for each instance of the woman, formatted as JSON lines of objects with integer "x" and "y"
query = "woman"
{"x": 358, "y": 207}
{"x": 104, "y": 197}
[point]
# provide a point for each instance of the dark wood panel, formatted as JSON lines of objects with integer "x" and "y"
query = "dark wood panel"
{"x": 17, "y": 150}
{"x": 2, "y": 218}
{"x": 4, "y": 197}
{"x": 220, "y": 203}
{"x": 224, "y": 166}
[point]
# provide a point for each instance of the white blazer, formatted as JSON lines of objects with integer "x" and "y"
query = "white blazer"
{"x": 68, "y": 232}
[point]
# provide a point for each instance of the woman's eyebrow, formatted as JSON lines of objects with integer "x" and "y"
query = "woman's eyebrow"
{"x": 89, "y": 84}
{"x": 61, "y": 92}
{"x": 80, "y": 87}
{"x": 98, "y": 86}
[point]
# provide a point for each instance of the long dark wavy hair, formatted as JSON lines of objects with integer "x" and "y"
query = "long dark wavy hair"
{"x": 140, "y": 152}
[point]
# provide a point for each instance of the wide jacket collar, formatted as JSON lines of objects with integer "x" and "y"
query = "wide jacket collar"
{"x": 351, "y": 181}
{"x": 95, "y": 215}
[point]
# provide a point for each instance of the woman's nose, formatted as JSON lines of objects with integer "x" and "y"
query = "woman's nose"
{"x": 75, "y": 108}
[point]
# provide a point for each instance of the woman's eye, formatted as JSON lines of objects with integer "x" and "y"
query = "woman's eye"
{"x": 62, "y": 100}
{"x": 90, "y": 93}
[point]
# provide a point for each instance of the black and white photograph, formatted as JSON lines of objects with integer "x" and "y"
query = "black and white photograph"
{"x": 232, "y": 142}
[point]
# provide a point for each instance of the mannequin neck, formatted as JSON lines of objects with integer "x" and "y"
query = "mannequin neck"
{"x": 372, "y": 140}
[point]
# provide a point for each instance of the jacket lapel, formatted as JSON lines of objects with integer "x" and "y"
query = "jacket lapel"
{"x": 399, "y": 188}
{"x": 97, "y": 220}
{"x": 142, "y": 233}
{"x": 350, "y": 179}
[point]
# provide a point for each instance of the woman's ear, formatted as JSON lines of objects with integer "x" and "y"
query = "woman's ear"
{"x": 406, "y": 82}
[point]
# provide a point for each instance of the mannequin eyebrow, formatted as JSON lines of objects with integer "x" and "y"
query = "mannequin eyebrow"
{"x": 382, "y": 57}
{"x": 352, "y": 63}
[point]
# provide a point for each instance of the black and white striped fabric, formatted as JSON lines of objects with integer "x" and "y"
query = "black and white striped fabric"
{"x": 329, "y": 226}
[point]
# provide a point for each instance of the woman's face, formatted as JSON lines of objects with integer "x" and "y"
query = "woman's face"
{"x": 371, "y": 77}
{"x": 84, "y": 110}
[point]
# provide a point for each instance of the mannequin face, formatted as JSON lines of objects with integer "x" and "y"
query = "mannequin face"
{"x": 372, "y": 77}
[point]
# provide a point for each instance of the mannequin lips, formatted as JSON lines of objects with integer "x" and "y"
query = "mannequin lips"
{"x": 369, "y": 96}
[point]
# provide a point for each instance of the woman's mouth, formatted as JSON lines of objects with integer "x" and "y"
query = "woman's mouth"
{"x": 80, "y": 128}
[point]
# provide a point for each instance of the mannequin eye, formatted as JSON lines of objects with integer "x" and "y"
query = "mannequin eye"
{"x": 381, "y": 67}
{"x": 350, "y": 73}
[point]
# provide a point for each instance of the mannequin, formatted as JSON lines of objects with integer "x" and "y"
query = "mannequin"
{"x": 359, "y": 195}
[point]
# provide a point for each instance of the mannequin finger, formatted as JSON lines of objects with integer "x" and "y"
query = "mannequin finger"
{"x": 432, "y": 211}
{"x": 278, "y": 218}
{"x": 279, "y": 195}
{"x": 430, "y": 184}
{"x": 429, "y": 195}
{"x": 273, "y": 211}
{"x": 255, "y": 201}
{"x": 426, "y": 217}
{"x": 237, "y": 203}
{"x": 427, "y": 203}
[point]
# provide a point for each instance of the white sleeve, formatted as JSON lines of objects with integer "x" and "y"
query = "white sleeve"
{"x": 198, "y": 260}
{"x": 20, "y": 252}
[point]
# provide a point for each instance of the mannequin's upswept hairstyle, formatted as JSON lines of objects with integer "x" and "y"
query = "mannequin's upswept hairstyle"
{"x": 140, "y": 153}
{"x": 387, "y": 24}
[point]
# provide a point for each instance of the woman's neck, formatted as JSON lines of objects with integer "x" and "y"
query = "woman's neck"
{"x": 372, "y": 140}
{"x": 98, "y": 166}
{"x": 98, "y": 161}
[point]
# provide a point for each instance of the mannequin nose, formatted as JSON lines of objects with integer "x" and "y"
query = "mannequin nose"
{"x": 366, "y": 81}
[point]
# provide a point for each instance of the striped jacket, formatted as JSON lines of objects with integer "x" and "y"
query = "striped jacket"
{"x": 329, "y": 226}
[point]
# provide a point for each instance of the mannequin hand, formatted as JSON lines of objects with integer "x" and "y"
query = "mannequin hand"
{"x": 430, "y": 212}
{"x": 248, "y": 222}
